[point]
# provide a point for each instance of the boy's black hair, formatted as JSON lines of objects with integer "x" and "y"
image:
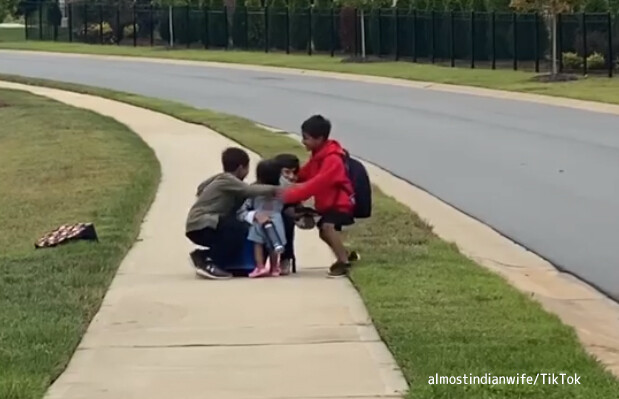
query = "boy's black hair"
{"x": 268, "y": 172}
{"x": 232, "y": 158}
{"x": 288, "y": 161}
{"x": 317, "y": 126}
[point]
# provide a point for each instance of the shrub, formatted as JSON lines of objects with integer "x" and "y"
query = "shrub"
{"x": 128, "y": 31}
{"x": 596, "y": 61}
{"x": 571, "y": 61}
{"x": 95, "y": 33}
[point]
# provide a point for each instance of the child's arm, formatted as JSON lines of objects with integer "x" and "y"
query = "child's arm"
{"x": 242, "y": 189}
{"x": 246, "y": 212}
{"x": 331, "y": 166}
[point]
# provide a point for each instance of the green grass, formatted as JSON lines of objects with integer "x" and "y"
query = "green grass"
{"x": 12, "y": 35}
{"x": 437, "y": 311}
{"x": 599, "y": 89}
{"x": 59, "y": 164}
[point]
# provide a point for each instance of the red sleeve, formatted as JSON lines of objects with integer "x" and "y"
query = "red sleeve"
{"x": 331, "y": 167}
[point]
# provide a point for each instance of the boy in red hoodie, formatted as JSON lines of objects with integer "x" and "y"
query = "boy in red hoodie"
{"x": 324, "y": 177}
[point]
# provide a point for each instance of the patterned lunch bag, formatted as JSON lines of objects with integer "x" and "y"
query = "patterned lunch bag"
{"x": 66, "y": 233}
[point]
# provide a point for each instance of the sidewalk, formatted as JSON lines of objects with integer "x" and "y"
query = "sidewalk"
{"x": 161, "y": 333}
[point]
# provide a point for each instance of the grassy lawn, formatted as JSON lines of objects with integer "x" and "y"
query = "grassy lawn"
{"x": 59, "y": 164}
{"x": 12, "y": 34}
{"x": 599, "y": 89}
{"x": 437, "y": 311}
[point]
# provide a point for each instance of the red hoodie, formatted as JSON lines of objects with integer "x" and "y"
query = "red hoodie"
{"x": 324, "y": 177}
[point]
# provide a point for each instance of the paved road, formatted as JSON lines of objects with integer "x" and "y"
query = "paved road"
{"x": 547, "y": 177}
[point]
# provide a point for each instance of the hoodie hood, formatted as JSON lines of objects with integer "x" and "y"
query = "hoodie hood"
{"x": 330, "y": 147}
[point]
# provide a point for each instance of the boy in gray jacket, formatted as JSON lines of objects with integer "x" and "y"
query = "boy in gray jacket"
{"x": 212, "y": 221}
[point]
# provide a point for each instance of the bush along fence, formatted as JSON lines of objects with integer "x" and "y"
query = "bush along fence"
{"x": 586, "y": 43}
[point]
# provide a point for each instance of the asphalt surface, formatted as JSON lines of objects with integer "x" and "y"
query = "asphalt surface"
{"x": 547, "y": 177}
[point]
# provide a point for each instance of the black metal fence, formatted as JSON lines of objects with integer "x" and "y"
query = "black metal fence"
{"x": 587, "y": 43}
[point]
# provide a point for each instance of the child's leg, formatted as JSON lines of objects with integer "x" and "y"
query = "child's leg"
{"x": 274, "y": 261}
{"x": 261, "y": 268}
{"x": 333, "y": 239}
{"x": 330, "y": 226}
{"x": 288, "y": 256}
{"x": 259, "y": 255}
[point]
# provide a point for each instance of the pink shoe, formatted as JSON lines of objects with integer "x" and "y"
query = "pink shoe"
{"x": 260, "y": 271}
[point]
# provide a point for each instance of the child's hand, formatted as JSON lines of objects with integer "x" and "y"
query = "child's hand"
{"x": 261, "y": 217}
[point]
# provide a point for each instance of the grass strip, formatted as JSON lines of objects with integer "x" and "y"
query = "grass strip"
{"x": 600, "y": 89}
{"x": 60, "y": 164}
{"x": 439, "y": 312}
{"x": 12, "y": 34}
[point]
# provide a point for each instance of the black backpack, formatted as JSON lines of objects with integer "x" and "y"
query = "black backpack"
{"x": 362, "y": 196}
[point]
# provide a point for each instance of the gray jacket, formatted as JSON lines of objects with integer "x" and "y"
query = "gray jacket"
{"x": 221, "y": 195}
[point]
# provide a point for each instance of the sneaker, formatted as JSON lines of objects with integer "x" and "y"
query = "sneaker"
{"x": 205, "y": 267}
{"x": 353, "y": 256}
{"x": 338, "y": 269}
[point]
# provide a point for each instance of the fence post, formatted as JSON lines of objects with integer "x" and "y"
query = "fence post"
{"x": 432, "y": 35}
{"x": 357, "y": 22}
{"x": 536, "y": 19}
{"x": 309, "y": 30}
{"x": 472, "y": 39}
{"x": 70, "y": 22}
{"x": 266, "y": 28}
{"x": 287, "y": 18}
{"x": 135, "y": 27}
{"x": 515, "y": 41}
{"x": 396, "y": 31}
{"x": 584, "y": 43}
{"x": 560, "y": 41}
{"x": 151, "y": 23}
{"x": 100, "y": 24}
{"x": 40, "y": 21}
{"x": 611, "y": 61}
{"x": 206, "y": 26}
{"x": 55, "y": 29}
{"x": 493, "y": 35}
{"x": 85, "y": 21}
{"x": 119, "y": 31}
{"x": 332, "y": 30}
{"x": 187, "y": 27}
{"x": 226, "y": 27}
{"x": 414, "y": 39}
{"x": 379, "y": 50}
{"x": 26, "y": 35}
{"x": 246, "y": 27}
{"x": 452, "y": 39}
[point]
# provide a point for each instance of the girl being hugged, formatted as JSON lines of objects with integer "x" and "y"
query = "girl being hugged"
{"x": 267, "y": 232}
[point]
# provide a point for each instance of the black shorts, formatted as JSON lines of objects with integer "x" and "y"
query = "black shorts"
{"x": 336, "y": 218}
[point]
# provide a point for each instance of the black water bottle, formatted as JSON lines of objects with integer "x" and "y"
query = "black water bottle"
{"x": 273, "y": 238}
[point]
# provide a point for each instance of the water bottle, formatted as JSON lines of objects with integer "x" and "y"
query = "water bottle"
{"x": 272, "y": 237}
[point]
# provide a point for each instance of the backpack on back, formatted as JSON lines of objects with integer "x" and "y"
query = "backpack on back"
{"x": 362, "y": 188}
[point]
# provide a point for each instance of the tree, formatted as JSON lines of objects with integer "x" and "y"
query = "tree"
{"x": 362, "y": 6}
{"x": 550, "y": 9}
